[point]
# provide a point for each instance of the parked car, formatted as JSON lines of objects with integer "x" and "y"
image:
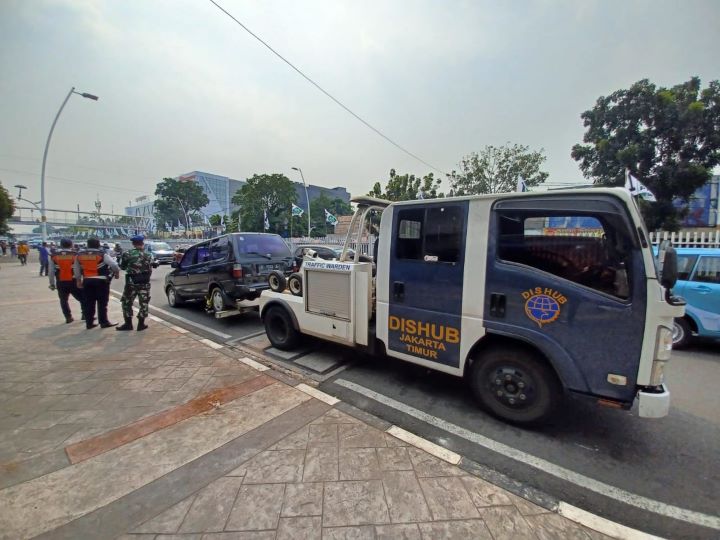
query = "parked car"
{"x": 325, "y": 252}
{"x": 699, "y": 283}
{"x": 226, "y": 269}
{"x": 160, "y": 252}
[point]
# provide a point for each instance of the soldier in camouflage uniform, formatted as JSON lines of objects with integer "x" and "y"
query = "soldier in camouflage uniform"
{"x": 138, "y": 267}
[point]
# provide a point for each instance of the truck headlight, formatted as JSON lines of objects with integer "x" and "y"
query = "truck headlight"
{"x": 663, "y": 350}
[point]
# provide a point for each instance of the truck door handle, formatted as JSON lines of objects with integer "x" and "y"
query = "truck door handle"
{"x": 398, "y": 290}
{"x": 497, "y": 305}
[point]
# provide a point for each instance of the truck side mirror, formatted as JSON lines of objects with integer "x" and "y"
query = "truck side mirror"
{"x": 670, "y": 268}
{"x": 174, "y": 264}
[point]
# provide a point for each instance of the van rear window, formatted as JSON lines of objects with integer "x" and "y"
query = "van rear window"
{"x": 261, "y": 244}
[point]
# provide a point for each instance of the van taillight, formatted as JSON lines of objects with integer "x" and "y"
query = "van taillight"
{"x": 237, "y": 271}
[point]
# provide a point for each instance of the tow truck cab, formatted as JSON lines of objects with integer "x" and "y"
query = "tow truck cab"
{"x": 528, "y": 296}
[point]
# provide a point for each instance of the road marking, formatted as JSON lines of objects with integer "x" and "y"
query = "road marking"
{"x": 183, "y": 319}
{"x": 423, "y": 444}
{"x": 600, "y": 524}
{"x": 317, "y": 394}
{"x": 211, "y": 343}
{"x": 638, "y": 501}
{"x": 253, "y": 364}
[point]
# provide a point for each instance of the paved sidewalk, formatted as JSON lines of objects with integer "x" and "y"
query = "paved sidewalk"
{"x": 157, "y": 434}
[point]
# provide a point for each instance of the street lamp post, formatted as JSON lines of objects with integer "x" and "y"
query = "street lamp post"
{"x": 47, "y": 146}
{"x": 298, "y": 169}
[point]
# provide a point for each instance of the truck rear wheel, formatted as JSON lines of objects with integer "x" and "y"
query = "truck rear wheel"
{"x": 280, "y": 330}
{"x": 295, "y": 284}
{"x": 515, "y": 385}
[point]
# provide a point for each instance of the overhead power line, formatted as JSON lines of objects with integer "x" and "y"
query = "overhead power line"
{"x": 328, "y": 94}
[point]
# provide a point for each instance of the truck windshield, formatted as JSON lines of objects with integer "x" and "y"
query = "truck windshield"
{"x": 161, "y": 246}
{"x": 262, "y": 244}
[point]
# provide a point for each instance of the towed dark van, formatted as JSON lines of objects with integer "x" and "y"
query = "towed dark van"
{"x": 227, "y": 269}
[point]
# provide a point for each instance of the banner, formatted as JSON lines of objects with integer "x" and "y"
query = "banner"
{"x": 332, "y": 220}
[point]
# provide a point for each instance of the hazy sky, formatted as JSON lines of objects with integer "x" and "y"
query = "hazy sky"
{"x": 182, "y": 87}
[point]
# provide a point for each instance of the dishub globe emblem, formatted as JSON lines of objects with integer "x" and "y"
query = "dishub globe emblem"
{"x": 543, "y": 305}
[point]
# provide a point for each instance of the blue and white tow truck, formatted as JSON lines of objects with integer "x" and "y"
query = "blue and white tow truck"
{"x": 528, "y": 296}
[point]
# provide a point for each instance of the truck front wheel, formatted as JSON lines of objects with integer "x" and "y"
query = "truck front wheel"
{"x": 280, "y": 330}
{"x": 515, "y": 385}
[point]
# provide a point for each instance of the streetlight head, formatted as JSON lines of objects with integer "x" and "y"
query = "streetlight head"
{"x": 20, "y": 186}
{"x": 89, "y": 96}
{"x": 295, "y": 169}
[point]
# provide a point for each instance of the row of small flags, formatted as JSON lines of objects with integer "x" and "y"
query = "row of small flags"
{"x": 298, "y": 212}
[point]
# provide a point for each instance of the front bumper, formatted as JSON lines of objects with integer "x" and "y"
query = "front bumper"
{"x": 654, "y": 403}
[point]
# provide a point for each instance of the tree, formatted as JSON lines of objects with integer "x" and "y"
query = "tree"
{"x": 496, "y": 169}
{"x": 337, "y": 207}
{"x": 178, "y": 201}
{"x": 7, "y": 207}
{"x": 406, "y": 187}
{"x": 669, "y": 138}
{"x": 215, "y": 220}
{"x": 273, "y": 193}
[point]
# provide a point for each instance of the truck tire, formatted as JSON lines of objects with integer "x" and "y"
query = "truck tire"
{"x": 515, "y": 385}
{"x": 295, "y": 284}
{"x": 280, "y": 330}
{"x": 681, "y": 333}
{"x": 172, "y": 297}
{"x": 277, "y": 281}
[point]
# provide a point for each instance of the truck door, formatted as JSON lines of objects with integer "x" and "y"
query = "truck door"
{"x": 426, "y": 281}
{"x": 566, "y": 274}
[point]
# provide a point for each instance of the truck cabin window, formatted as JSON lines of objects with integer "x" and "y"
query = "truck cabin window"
{"x": 592, "y": 251}
{"x": 432, "y": 234}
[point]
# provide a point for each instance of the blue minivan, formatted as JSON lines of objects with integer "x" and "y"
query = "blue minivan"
{"x": 699, "y": 283}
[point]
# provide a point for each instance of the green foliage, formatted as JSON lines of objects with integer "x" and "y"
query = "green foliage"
{"x": 272, "y": 192}
{"x": 7, "y": 207}
{"x": 496, "y": 169}
{"x": 178, "y": 201}
{"x": 667, "y": 137}
{"x": 406, "y": 187}
{"x": 230, "y": 223}
{"x": 215, "y": 220}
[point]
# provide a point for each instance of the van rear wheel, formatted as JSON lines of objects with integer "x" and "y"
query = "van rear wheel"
{"x": 217, "y": 302}
{"x": 280, "y": 330}
{"x": 515, "y": 385}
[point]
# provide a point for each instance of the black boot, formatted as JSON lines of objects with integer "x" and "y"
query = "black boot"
{"x": 107, "y": 324}
{"x": 141, "y": 324}
{"x": 126, "y": 326}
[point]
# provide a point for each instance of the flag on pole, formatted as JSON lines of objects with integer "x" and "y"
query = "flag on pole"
{"x": 637, "y": 188}
{"x": 421, "y": 194}
{"x": 332, "y": 220}
{"x": 266, "y": 221}
{"x": 521, "y": 185}
{"x": 297, "y": 211}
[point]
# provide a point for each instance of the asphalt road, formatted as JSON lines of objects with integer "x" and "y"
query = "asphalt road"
{"x": 590, "y": 457}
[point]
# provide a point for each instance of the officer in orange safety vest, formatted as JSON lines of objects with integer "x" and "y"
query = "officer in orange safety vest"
{"x": 93, "y": 270}
{"x": 60, "y": 275}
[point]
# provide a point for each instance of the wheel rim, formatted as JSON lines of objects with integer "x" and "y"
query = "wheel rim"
{"x": 295, "y": 286}
{"x": 678, "y": 333}
{"x": 217, "y": 300}
{"x": 278, "y": 328}
{"x": 171, "y": 296}
{"x": 274, "y": 282}
{"x": 512, "y": 387}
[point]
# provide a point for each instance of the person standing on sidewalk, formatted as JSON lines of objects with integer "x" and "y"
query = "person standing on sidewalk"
{"x": 138, "y": 267}
{"x": 22, "y": 251}
{"x": 93, "y": 269}
{"x": 61, "y": 278}
{"x": 44, "y": 255}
